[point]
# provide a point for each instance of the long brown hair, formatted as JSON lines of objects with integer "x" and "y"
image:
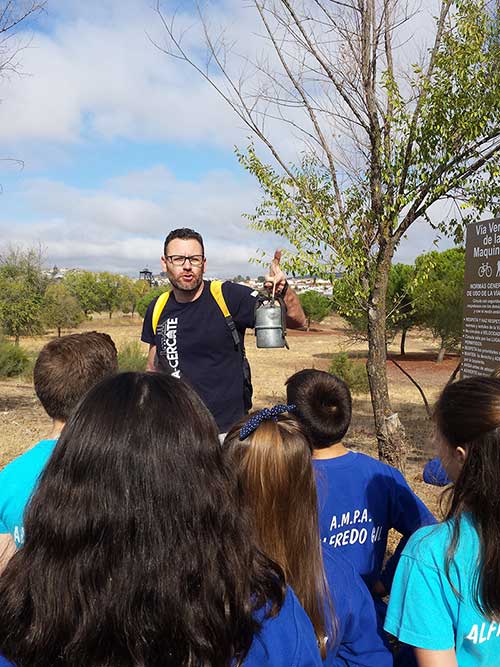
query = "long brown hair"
{"x": 274, "y": 468}
{"x": 467, "y": 414}
{"x": 137, "y": 546}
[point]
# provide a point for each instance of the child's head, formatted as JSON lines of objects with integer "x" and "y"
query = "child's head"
{"x": 271, "y": 454}
{"x": 323, "y": 405}
{"x": 67, "y": 367}
{"x": 137, "y": 550}
{"x": 466, "y": 418}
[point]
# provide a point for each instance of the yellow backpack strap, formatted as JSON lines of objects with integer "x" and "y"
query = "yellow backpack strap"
{"x": 160, "y": 304}
{"x": 216, "y": 292}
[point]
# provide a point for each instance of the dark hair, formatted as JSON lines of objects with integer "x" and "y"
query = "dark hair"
{"x": 183, "y": 233}
{"x": 324, "y": 405}
{"x": 276, "y": 475}
{"x": 137, "y": 548}
{"x": 467, "y": 414}
{"x": 67, "y": 367}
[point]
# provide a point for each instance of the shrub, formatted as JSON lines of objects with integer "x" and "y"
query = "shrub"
{"x": 132, "y": 357}
{"x": 13, "y": 359}
{"x": 145, "y": 300}
{"x": 27, "y": 374}
{"x": 316, "y": 306}
{"x": 352, "y": 372}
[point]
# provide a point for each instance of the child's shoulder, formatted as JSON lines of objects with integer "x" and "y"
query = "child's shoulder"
{"x": 363, "y": 464}
{"x": 429, "y": 544}
{"x": 25, "y": 461}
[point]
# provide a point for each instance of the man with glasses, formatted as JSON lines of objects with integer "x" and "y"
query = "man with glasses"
{"x": 192, "y": 339}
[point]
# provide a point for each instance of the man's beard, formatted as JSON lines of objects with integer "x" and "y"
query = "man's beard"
{"x": 193, "y": 287}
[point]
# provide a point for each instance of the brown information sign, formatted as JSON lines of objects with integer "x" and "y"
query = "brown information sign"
{"x": 481, "y": 335}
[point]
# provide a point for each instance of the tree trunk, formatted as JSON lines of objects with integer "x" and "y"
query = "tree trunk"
{"x": 16, "y": 340}
{"x": 441, "y": 353}
{"x": 389, "y": 430}
{"x": 110, "y": 314}
{"x": 308, "y": 324}
{"x": 59, "y": 332}
{"x": 403, "y": 341}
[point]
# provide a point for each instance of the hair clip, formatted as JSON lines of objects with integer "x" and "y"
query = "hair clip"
{"x": 267, "y": 413}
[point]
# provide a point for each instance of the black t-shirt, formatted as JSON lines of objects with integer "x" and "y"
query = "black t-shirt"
{"x": 193, "y": 341}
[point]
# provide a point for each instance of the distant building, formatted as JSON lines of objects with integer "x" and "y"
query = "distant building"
{"x": 147, "y": 275}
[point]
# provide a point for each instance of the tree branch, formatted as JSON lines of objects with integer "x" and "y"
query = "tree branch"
{"x": 445, "y": 8}
{"x": 413, "y": 381}
{"x": 244, "y": 113}
{"x": 299, "y": 88}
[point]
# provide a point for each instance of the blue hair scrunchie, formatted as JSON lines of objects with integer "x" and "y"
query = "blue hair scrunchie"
{"x": 267, "y": 413}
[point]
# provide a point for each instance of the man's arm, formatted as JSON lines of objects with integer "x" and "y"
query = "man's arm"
{"x": 295, "y": 318}
{"x": 428, "y": 658}
{"x": 150, "y": 365}
{"x": 7, "y": 549}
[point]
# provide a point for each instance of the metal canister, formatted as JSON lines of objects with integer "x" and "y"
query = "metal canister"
{"x": 270, "y": 328}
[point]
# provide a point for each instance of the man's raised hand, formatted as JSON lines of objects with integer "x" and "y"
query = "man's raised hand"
{"x": 276, "y": 278}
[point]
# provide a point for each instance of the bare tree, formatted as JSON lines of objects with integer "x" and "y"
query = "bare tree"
{"x": 390, "y": 125}
{"x": 15, "y": 16}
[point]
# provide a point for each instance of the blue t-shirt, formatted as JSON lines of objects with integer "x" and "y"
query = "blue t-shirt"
{"x": 17, "y": 482}
{"x": 193, "y": 341}
{"x": 360, "y": 499}
{"x": 286, "y": 640}
{"x": 357, "y": 642}
{"x": 435, "y": 474}
{"x": 424, "y": 610}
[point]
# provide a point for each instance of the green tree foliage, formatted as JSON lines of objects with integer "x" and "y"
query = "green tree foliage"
{"x": 132, "y": 291}
{"x": 438, "y": 295}
{"x": 401, "y": 314}
{"x": 61, "y": 310}
{"x": 316, "y": 306}
{"x": 26, "y": 265}
{"x": 111, "y": 289}
{"x": 145, "y": 300}
{"x": 21, "y": 309}
{"x": 83, "y": 285}
{"x": 22, "y": 286}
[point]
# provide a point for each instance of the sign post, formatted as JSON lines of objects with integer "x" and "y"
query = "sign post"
{"x": 481, "y": 331}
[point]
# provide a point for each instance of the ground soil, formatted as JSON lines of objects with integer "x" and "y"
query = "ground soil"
{"x": 23, "y": 422}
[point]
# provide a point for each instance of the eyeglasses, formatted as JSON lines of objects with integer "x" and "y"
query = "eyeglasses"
{"x": 180, "y": 260}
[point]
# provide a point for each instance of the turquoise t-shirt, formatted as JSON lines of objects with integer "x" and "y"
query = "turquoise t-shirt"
{"x": 17, "y": 482}
{"x": 424, "y": 611}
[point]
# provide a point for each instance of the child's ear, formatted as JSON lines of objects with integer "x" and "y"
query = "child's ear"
{"x": 460, "y": 454}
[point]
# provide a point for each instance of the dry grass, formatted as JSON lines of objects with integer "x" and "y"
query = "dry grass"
{"x": 23, "y": 422}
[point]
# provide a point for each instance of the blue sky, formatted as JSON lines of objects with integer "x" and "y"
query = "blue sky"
{"x": 120, "y": 144}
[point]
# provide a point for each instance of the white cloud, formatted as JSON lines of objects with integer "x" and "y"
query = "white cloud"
{"x": 97, "y": 74}
{"x": 122, "y": 226}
